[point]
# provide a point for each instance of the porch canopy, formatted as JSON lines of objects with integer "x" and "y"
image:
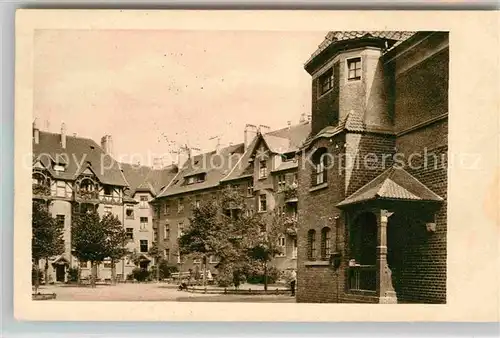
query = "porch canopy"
{"x": 60, "y": 260}
{"x": 367, "y": 214}
{"x": 394, "y": 184}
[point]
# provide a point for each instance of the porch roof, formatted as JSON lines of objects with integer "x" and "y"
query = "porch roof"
{"x": 393, "y": 184}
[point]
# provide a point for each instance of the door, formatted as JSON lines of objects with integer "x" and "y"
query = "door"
{"x": 60, "y": 273}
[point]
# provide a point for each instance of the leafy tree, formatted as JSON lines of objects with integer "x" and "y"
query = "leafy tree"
{"x": 89, "y": 240}
{"x": 225, "y": 228}
{"x": 47, "y": 238}
{"x": 116, "y": 239}
{"x": 154, "y": 251}
{"x": 267, "y": 244}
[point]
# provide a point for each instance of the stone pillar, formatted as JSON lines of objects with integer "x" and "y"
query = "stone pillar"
{"x": 385, "y": 290}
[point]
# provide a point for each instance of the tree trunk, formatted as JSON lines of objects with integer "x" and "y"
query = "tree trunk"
{"x": 205, "y": 273}
{"x": 113, "y": 272}
{"x": 46, "y": 276}
{"x": 93, "y": 273}
{"x": 158, "y": 261}
{"x": 79, "y": 277}
{"x": 265, "y": 276}
{"x": 37, "y": 275}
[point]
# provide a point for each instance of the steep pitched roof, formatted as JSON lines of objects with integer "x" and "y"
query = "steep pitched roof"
{"x": 393, "y": 184}
{"x": 335, "y": 37}
{"x": 215, "y": 166}
{"x": 280, "y": 141}
{"x": 79, "y": 154}
{"x": 144, "y": 178}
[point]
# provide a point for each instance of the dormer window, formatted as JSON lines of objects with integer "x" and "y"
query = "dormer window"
{"x": 326, "y": 81}
{"x": 59, "y": 167}
{"x": 354, "y": 69}
{"x": 195, "y": 178}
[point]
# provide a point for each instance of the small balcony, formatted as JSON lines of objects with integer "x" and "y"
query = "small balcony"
{"x": 290, "y": 223}
{"x": 87, "y": 195}
{"x": 41, "y": 191}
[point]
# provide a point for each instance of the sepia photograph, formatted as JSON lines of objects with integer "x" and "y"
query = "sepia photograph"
{"x": 301, "y": 170}
{"x": 210, "y": 168}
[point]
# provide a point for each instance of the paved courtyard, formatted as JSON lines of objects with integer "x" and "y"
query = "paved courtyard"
{"x": 151, "y": 292}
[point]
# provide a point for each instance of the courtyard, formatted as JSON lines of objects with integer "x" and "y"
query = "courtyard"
{"x": 154, "y": 292}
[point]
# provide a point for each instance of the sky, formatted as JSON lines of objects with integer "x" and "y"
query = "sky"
{"x": 155, "y": 90}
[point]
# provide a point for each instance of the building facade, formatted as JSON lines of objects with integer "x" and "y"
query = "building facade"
{"x": 263, "y": 169}
{"x": 73, "y": 175}
{"x": 373, "y": 173}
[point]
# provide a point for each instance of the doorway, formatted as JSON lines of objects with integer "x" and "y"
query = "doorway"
{"x": 60, "y": 273}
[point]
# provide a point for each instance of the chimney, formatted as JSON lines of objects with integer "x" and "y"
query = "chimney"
{"x": 250, "y": 134}
{"x": 264, "y": 129}
{"x": 107, "y": 144}
{"x": 302, "y": 118}
{"x": 36, "y": 131}
{"x": 63, "y": 135}
{"x": 289, "y": 123}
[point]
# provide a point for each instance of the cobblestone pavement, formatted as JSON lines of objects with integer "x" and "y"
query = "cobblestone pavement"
{"x": 148, "y": 292}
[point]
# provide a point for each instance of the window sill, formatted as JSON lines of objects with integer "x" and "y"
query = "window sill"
{"x": 143, "y": 230}
{"x": 318, "y": 187}
{"x": 317, "y": 263}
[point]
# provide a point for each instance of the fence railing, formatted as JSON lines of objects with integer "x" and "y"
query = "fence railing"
{"x": 363, "y": 278}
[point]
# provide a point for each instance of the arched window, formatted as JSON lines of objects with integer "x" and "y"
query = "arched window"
{"x": 319, "y": 160}
{"x": 325, "y": 243}
{"x": 311, "y": 245}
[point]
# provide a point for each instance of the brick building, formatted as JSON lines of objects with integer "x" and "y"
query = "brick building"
{"x": 268, "y": 184}
{"x": 372, "y": 173}
{"x": 74, "y": 174}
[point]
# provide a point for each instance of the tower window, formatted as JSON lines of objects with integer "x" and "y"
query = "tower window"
{"x": 326, "y": 81}
{"x": 354, "y": 69}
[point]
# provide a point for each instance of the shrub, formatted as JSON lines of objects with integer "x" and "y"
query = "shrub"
{"x": 166, "y": 270}
{"x": 140, "y": 275}
{"x": 73, "y": 274}
{"x": 224, "y": 278}
{"x": 258, "y": 277}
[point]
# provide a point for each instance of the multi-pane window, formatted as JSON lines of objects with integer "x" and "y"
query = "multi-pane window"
{"x": 262, "y": 202}
{"x": 166, "y": 208}
{"x": 282, "y": 246}
{"x": 320, "y": 166}
{"x": 326, "y": 81}
{"x": 84, "y": 265}
{"x": 213, "y": 259}
{"x": 61, "y": 188}
{"x": 295, "y": 179}
{"x": 325, "y": 243}
{"x": 179, "y": 258}
{"x": 311, "y": 244}
{"x": 354, "y": 69}
{"x": 281, "y": 182}
{"x": 130, "y": 233}
{"x": 196, "y": 202}
{"x": 250, "y": 188}
{"x": 144, "y": 223}
{"x": 179, "y": 229}
{"x": 167, "y": 231}
{"x": 263, "y": 169}
{"x": 144, "y": 245}
{"x": 180, "y": 205}
{"x": 107, "y": 264}
{"x": 143, "y": 204}
{"x": 167, "y": 254}
{"x": 129, "y": 213}
{"x": 294, "y": 248}
{"x": 60, "y": 220}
